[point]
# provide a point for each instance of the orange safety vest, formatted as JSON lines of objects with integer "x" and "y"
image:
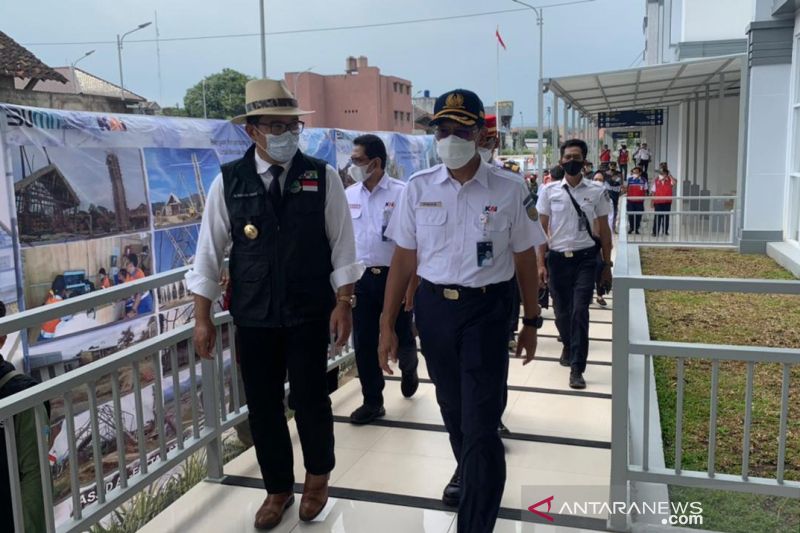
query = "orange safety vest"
{"x": 49, "y": 328}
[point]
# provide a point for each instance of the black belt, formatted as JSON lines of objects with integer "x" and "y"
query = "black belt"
{"x": 456, "y": 292}
{"x": 377, "y": 271}
{"x": 578, "y": 254}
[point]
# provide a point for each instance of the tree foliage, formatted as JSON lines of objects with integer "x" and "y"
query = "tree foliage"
{"x": 224, "y": 95}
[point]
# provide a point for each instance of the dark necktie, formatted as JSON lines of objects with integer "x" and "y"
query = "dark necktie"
{"x": 275, "y": 186}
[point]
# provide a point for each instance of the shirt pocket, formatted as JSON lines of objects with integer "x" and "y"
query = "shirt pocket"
{"x": 557, "y": 206}
{"x": 497, "y": 229}
{"x": 431, "y": 230}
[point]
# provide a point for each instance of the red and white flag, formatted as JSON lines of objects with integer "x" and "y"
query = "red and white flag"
{"x": 500, "y": 39}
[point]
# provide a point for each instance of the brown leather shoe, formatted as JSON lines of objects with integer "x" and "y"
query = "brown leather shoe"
{"x": 271, "y": 511}
{"x": 315, "y": 496}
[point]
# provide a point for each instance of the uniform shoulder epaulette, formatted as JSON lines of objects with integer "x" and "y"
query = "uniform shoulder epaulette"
{"x": 507, "y": 174}
{"x": 425, "y": 172}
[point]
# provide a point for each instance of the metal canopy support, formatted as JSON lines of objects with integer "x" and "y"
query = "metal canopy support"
{"x": 555, "y": 122}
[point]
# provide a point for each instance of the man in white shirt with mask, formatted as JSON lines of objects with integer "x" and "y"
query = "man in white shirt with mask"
{"x": 372, "y": 200}
{"x": 464, "y": 227}
{"x": 292, "y": 271}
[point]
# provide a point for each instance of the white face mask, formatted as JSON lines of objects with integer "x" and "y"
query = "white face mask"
{"x": 486, "y": 154}
{"x": 359, "y": 173}
{"x": 455, "y": 152}
{"x": 282, "y": 147}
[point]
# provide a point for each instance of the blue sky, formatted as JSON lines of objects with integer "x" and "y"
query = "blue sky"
{"x": 165, "y": 165}
{"x": 595, "y": 36}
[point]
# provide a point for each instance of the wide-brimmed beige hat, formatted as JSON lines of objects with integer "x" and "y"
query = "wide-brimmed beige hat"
{"x": 268, "y": 97}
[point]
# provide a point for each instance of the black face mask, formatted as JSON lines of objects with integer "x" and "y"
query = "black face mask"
{"x": 572, "y": 167}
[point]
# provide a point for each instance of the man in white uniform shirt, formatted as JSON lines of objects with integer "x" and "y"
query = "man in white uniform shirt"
{"x": 572, "y": 257}
{"x": 462, "y": 226}
{"x": 292, "y": 270}
{"x": 372, "y": 200}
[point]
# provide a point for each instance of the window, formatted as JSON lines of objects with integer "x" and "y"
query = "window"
{"x": 395, "y": 115}
{"x": 408, "y": 89}
{"x": 408, "y": 117}
{"x": 794, "y": 164}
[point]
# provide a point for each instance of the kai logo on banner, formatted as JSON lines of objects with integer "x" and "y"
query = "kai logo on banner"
{"x": 111, "y": 124}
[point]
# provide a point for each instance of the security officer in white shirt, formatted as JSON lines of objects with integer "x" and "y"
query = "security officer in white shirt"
{"x": 572, "y": 256}
{"x": 462, "y": 226}
{"x": 372, "y": 200}
{"x": 292, "y": 271}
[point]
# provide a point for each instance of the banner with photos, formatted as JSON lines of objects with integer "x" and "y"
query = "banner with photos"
{"x": 93, "y": 200}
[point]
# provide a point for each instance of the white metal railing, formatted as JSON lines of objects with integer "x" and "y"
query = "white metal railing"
{"x": 210, "y": 415}
{"x": 631, "y": 339}
{"x": 691, "y": 220}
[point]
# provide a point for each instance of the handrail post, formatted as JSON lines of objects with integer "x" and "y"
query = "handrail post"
{"x": 618, "y": 491}
{"x": 212, "y": 420}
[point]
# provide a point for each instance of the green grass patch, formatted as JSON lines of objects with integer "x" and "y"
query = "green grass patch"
{"x": 727, "y": 318}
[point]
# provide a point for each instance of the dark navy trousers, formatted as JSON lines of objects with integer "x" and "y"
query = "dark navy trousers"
{"x": 572, "y": 282}
{"x": 369, "y": 293}
{"x": 465, "y": 344}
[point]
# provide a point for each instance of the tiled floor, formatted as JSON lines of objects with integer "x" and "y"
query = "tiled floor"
{"x": 401, "y": 463}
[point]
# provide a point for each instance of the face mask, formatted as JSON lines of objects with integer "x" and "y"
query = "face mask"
{"x": 359, "y": 173}
{"x": 282, "y": 147}
{"x": 455, "y": 151}
{"x": 486, "y": 154}
{"x": 572, "y": 167}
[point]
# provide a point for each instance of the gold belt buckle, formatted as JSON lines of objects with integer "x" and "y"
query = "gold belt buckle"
{"x": 375, "y": 270}
{"x": 451, "y": 294}
{"x": 568, "y": 254}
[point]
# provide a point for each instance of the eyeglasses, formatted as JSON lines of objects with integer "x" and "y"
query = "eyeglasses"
{"x": 360, "y": 161}
{"x": 279, "y": 128}
{"x": 467, "y": 134}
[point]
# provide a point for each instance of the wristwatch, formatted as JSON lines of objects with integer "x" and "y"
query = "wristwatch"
{"x": 536, "y": 322}
{"x": 349, "y": 300}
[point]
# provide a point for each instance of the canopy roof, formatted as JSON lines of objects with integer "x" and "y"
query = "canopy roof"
{"x": 650, "y": 86}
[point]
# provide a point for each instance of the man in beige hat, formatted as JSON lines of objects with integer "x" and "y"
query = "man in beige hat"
{"x": 292, "y": 270}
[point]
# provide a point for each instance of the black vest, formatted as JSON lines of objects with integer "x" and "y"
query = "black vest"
{"x": 282, "y": 277}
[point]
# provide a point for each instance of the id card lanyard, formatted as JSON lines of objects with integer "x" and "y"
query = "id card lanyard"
{"x": 485, "y": 247}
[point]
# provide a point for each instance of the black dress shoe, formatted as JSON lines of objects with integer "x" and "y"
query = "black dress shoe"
{"x": 409, "y": 384}
{"x": 366, "y": 414}
{"x": 502, "y": 429}
{"x": 576, "y": 381}
{"x": 452, "y": 492}
{"x": 564, "y": 359}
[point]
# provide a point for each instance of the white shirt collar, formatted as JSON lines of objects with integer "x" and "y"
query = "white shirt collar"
{"x": 578, "y": 186}
{"x": 262, "y": 165}
{"x": 382, "y": 184}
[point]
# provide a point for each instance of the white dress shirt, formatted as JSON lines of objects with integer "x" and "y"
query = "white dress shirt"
{"x": 371, "y": 213}
{"x": 445, "y": 222}
{"x": 215, "y": 233}
{"x": 566, "y": 234}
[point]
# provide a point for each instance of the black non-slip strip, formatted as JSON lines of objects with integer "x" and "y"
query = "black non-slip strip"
{"x": 556, "y": 360}
{"x": 419, "y": 502}
{"x": 527, "y": 437}
{"x": 549, "y": 336}
{"x": 541, "y": 390}
{"x": 590, "y": 321}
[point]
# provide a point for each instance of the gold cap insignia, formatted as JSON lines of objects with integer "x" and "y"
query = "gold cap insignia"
{"x": 454, "y": 100}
